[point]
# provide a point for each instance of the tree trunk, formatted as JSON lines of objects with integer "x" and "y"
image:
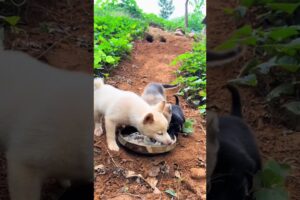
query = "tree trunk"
{"x": 186, "y": 20}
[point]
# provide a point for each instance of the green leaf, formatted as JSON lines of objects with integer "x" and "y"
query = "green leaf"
{"x": 247, "y": 3}
{"x": 242, "y": 35}
{"x": 285, "y": 88}
{"x": 229, "y": 11}
{"x": 228, "y": 44}
{"x": 288, "y": 63}
{"x": 280, "y": 169}
{"x": 110, "y": 59}
{"x": 171, "y": 192}
{"x": 293, "y": 44}
{"x": 271, "y": 194}
{"x": 269, "y": 178}
{"x": 202, "y": 109}
{"x": 249, "y": 66}
{"x": 249, "y": 80}
{"x": 188, "y": 126}
{"x": 293, "y": 107}
{"x": 283, "y": 33}
{"x": 12, "y": 20}
{"x": 241, "y": 10}
{"x": 244, "y": 31}
{"x": 265, "y": 67}
{"x": 202, "y": 93}
{"x": 285, "y": 7}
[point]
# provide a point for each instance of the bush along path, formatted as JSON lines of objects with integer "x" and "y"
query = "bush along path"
{"x": 179, "y": 173}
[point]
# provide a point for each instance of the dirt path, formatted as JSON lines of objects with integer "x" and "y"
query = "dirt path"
{"x": 149, "y": 62}
{"x": 272, "y": 138}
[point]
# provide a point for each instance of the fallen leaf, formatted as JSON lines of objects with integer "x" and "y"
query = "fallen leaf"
{"x": 152, "y": 181}
{"x": 100, "y": 169}
{"x": 154, "y": 171}
{"x": 171, "y": 192}
{"x": 177, "y": 174}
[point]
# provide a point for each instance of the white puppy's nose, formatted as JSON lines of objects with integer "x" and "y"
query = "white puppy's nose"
{"x": 169, "y": 142}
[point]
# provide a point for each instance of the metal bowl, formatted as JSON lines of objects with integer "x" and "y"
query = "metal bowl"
{"x": 141, "y": 147}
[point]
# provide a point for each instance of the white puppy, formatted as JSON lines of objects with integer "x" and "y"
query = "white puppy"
{"x": 127, "y": 108}
{"x": 46, "y": 129}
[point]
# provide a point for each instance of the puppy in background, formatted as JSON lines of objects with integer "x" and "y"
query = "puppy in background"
{"x": 177, "y": 119}
{"x": 155, "y": 93}
{"x": 127, "y": 108}
{"x": 232, "y": 154}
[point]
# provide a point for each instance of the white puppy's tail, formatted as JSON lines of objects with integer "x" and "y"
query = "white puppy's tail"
{"x": 98, "y": 82}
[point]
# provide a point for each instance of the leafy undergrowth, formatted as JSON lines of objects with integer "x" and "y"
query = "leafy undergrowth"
{"x": 113, "y": 37}
{"x": 118, "y": 23}
{"x": 270, "y": 182}
{"x": 275, "y": 38}
{"x": 192, "y": 75}
{"x": 195, "y": 24}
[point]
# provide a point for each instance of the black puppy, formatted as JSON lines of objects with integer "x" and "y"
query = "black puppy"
{"x": 232, "y": 154}
{"x": 177, "y": 120}
{"x": 79, "y": 192}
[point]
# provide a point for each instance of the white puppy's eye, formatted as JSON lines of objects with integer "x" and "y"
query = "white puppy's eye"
{"x": 160, "y": 133}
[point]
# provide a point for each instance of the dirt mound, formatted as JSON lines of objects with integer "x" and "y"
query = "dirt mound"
{"x": 149, "y": 62}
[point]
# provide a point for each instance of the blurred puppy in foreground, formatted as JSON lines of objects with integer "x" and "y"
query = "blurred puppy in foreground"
{"x": 45, "y": 124}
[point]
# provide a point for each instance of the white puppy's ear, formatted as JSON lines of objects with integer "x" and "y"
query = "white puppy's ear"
{"x": 98, "y": 82}
{"x": 160, "y": 106}
{"x": 148, "y": 119}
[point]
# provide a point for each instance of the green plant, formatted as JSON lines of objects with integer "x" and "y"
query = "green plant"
{"x": 275, "y": 38}
{"x": 192, "y": 75}
{"x": 132, "y": 8}
{"x": 12, "y": 21}
{"x": 270, "y": 181}
{"x": 112, "y": 39}
{"x": 171, "y": 192}
{"x": 155, "y": 20}
{"x": 188, "y": 127}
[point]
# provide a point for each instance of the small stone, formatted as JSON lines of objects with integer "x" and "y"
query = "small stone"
{"x": 197, "y": 173}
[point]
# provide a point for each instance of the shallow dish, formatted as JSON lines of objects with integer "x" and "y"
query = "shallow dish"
{"x": 141, "y": 147}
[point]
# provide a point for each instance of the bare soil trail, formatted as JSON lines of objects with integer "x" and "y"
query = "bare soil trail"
{"x": 274, "y": 140}
{"x": 149, "y": 62}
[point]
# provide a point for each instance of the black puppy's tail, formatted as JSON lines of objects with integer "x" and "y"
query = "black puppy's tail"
{"x": 167, "y": 86}
{"x": 177, "y": 99}
{"x": 236, "y": 107}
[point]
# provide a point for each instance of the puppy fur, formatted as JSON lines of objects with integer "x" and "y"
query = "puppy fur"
{"x": 233, "y": 157}
{"x": 177, "y": 120}
{"x": 41, "y": 135}
{"x": 215, "y": 59}
{"x": 155, "y": 93}
{"x": 127, "y": 108}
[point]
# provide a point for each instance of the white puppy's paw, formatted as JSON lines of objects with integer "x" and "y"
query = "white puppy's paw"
{"x": 113, "y": 147}
{"x": 98, "y": 131}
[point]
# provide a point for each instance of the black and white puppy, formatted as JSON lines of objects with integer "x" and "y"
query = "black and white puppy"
{"x": 232, "y": 154}
{"x": 177, "y": 120}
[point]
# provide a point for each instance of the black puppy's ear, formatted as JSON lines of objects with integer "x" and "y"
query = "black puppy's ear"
{"x": 148, "y": 119}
